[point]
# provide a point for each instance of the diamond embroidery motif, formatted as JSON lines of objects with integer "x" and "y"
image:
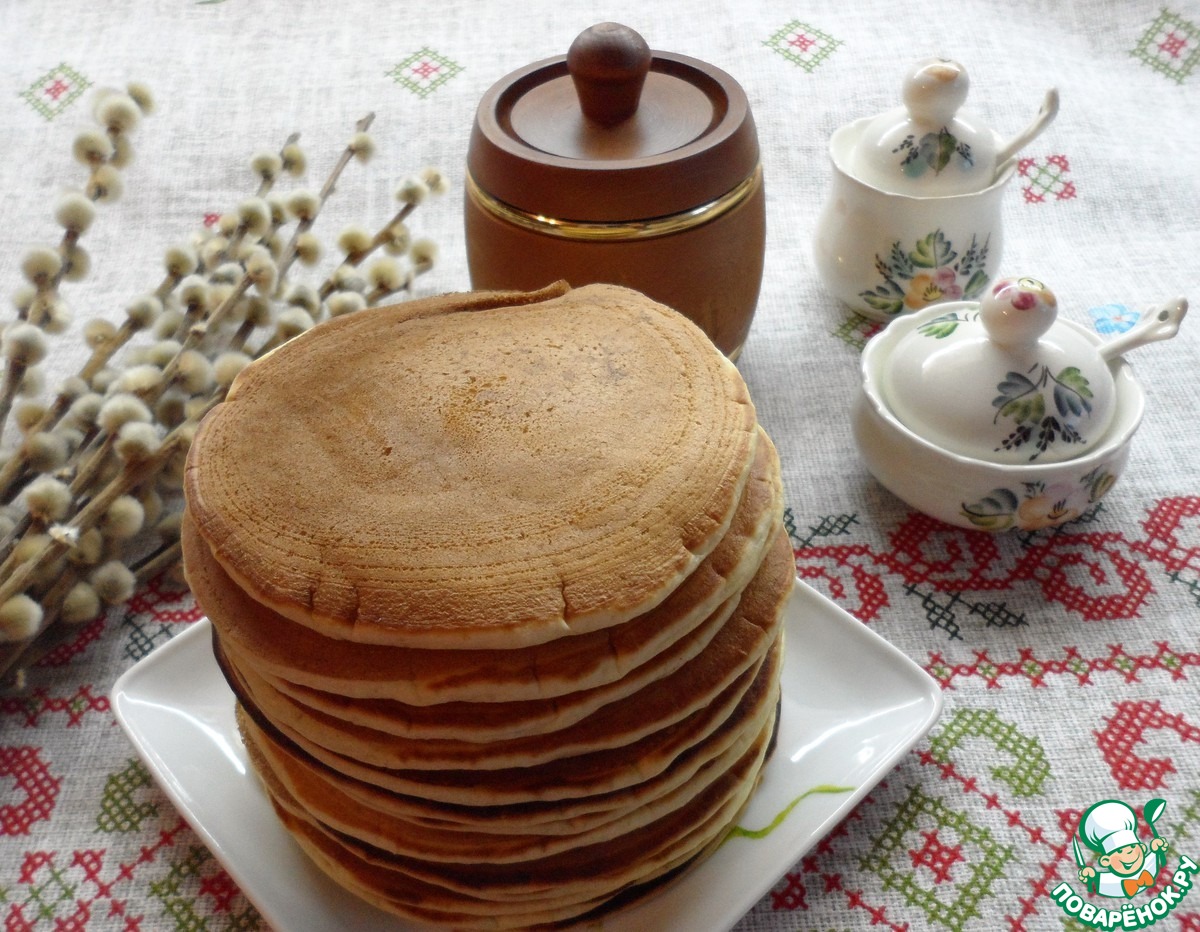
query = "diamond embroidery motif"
{"x": 1171, "y": 46}
{"x": 1044, "y": 179}
{"x": 55, "y": 91}
{"x": 913, "y": 839}
{"x": 803, "y": 45}
{"x": 936, "y": 857}
{"x": 856, "y": 329}
{"x": 424, "y": 71}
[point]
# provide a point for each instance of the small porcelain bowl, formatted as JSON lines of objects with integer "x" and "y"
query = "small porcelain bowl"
{"x": 912, "y": 216}
{"x": 885, "y": 255}
{"x": 976, "y": 493}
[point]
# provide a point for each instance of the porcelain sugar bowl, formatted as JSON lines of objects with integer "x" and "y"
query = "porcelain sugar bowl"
{"x": 913, "y": 217}
{"x": 999, "y": 414}
{"x": 619, "y": 164}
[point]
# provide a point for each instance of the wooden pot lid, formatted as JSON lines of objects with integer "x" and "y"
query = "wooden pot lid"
{"x": 612, "y": 131}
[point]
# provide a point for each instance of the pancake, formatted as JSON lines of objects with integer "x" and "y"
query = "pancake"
{"x": 464, "y": 474}
{"x": 451, "y": 823}
{"x": 344, "y": 814}
{"x": 572, "y": 778}
{"x": 285, "y": 652}
{"x": 504, "y": 627}
{"x": 739, "y": 644}
{"x": 498, "y": 721}
{"x": 390, "y": 722}
{"x": 551, "y": 887}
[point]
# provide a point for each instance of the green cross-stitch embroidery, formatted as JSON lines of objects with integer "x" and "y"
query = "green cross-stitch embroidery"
{"x": 1078, "y": 666}
{"x": 888, "y": 858}
{"x": 174, "y": 891}
{"x": 1189, "y": 820}
{"x": 424, "y": 71}
{"x": 1171, "y": 46}
{"x": 802, "y": 45}
{"x": 56, "y": 90}
{"x": 1044, "y": 178}
{"x": 1033, "y": 669}
{"x": 1029, "y": 770}
{"x": 119, "y": 811}
{"x": 940, "y": 671}
{"x": 42, "y": 900}
{"x": 855, "y": 330}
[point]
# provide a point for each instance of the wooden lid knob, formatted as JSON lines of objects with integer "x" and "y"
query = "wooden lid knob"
{"x": 608, "y": 63}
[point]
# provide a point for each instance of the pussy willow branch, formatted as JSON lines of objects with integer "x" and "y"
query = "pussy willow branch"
{"x": 288, "y": 255}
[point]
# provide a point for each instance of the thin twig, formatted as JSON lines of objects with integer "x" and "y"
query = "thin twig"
{"x": 356, "y": 259}
{"x": 288, "y": 255}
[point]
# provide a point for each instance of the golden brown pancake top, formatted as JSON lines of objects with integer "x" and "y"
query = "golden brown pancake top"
{"x": 444, "y": 474}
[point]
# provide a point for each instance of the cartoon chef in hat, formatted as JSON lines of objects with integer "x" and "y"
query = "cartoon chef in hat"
{"x": 1127, "y": 864}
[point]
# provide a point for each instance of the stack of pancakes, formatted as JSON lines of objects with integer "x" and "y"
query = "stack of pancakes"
{"x": 498, "y": 581}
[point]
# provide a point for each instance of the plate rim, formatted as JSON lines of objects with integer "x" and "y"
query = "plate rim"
{"x": 926, "y": 692}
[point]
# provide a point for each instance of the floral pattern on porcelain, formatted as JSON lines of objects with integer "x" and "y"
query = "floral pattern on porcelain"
{"x": 1022, "y": 400}
{"x": 932, "y": 151}
{"x": 932, "y": 271}
{"x": 1037, "y": 505}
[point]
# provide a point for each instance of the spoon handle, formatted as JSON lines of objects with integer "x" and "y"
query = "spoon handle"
{"x": 1045, "y": 115}
{"x": 1161, "y": 324}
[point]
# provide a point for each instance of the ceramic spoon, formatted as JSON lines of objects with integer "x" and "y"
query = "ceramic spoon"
{"x": 1159, "y": 325}
{"x": 1043, "y": 119}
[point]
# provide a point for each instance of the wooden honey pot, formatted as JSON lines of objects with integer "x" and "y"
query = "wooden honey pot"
{"x": 619, "y": 164}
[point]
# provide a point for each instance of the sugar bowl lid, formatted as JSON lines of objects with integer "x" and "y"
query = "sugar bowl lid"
{"x": 929, "y": 146}
{"x": 612, "y": 131}
{"x": 1006, "y": 381}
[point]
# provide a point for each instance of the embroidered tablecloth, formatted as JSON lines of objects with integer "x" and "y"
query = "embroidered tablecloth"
{"x": 1069, "y": 657}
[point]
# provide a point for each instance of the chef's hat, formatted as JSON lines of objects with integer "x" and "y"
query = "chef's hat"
{"x": 1108, "y": 826}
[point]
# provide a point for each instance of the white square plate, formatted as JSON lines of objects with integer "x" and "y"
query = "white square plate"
{"x": 852, "y": 706}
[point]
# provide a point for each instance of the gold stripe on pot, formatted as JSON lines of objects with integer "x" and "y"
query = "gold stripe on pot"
{"x": 618, "y": 229}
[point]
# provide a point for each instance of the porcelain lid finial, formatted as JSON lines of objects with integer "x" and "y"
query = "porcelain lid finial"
{"x": 1003, "y": 380}
{"x": 1015, "y": 312}
{"x": 934, "y": 90}
{"x": 928, "y": 147}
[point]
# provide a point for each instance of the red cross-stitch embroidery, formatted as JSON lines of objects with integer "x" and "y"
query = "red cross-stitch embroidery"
{"x": 803, "y": 44}
{"x": 1173, "y": 44}
{"x": 39, "y": 703}
{"x": 67, "y": 651}
{"x": 166, "y": 603}
{"x": 34, "y": 861}
{"x": 82, "y": 886}
{"x": 1126, "y": 730}
{"x": 221, "y": 889}
{"x": 791, "y": 896}
{"x": 55, "y": 91}
{"x": 425, "y": 69}
{"x": 1035, "y": 835}
{"x": 1036, "y": 670}
{"x": 1093, "y": 575}
{"x": 1171, "y": 523}
{"x": 1046, "y": 179}
{"x": 33, "y": 779}
{"x": 940, "y": 858}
